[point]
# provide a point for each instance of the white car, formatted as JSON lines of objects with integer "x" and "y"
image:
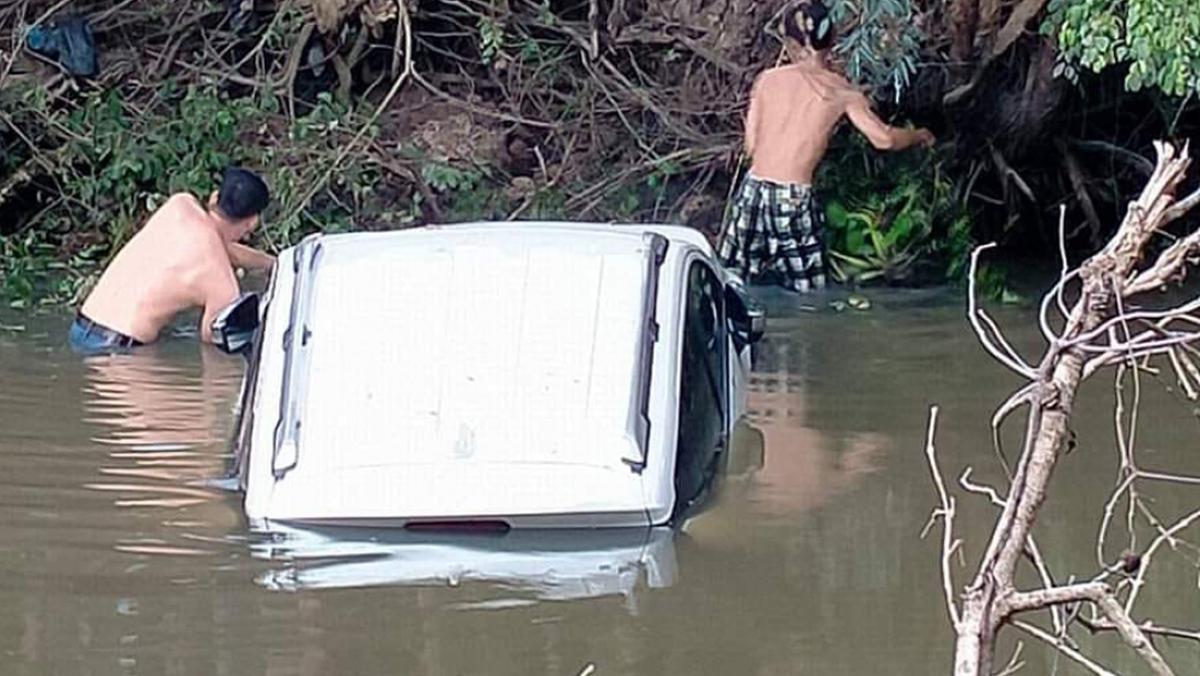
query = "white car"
{"x": 490, "y": 376}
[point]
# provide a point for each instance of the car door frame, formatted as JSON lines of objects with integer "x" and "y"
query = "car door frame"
{"x": 692, "y": 257}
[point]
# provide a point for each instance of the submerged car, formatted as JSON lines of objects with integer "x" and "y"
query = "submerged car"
{"x": 490, "y": 376}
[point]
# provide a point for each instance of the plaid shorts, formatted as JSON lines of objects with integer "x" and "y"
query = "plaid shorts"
{"x": 774, "y": 234}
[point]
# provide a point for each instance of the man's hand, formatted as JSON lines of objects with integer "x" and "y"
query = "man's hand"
{"x": 924, "y": 137}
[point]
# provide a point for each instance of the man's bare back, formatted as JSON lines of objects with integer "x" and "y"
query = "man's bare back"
{"x": 182, "y": 258}
{"x": 794, "y": 112}
{"x": 176, "y": 262}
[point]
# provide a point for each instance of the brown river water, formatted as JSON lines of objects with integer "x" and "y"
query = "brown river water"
{"x": 121, "y": 552}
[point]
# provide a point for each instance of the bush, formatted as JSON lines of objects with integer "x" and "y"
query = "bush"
{"x": 114, "y": 161}
{"x": 893, "y": 217}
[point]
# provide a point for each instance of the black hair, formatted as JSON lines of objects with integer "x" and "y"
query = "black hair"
{"x": 243, "y": 194}
{"x": 810, "y": 24}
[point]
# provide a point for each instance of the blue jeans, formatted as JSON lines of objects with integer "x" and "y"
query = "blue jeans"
{"x": 88, "y": 337}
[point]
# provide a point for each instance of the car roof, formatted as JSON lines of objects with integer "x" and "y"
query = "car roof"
{"x": 501, "y": 230}
{"x": 479, "y": 343}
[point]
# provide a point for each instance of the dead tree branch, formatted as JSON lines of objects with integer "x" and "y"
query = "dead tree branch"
{"x": 1095, "y": 327}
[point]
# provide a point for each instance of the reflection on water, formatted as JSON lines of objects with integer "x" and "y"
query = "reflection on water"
{"x": 804, "y": 468}
{"x": 161, "y": 420}
{"x": 523, "y": 567}
{"x": 149, "y": 400}
{"x": 161, "y": 417}
{"x": 118, "y": 556}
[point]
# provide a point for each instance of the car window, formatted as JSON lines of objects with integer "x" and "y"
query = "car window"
{"x": 702, "y": 387}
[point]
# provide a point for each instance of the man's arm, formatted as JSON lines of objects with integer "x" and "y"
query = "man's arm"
{"x": 878, "y": 132}
{"x": 243, "y": 256}
{"x": 218, "y": 289}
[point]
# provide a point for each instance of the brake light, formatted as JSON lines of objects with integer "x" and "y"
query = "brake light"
{"x": 484, "y": 527}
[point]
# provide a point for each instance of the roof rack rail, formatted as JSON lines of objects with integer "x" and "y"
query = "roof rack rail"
{"x": 639, "y": 409}
{"x": 286, "y": 450}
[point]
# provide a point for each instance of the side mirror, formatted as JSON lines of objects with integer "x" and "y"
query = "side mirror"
{"x": 747, "y": 319}
{"x": 233, "y": 328}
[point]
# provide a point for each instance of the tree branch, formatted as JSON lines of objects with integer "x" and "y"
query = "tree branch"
{"x": 1099, "y": 594}
{"x": 1096, "y": 330}
{"x": 1020, "y": 602}
{"x": 1057, "y": 644}
{"x": 949, "y": 545}
{"x": 1133, "y": 634}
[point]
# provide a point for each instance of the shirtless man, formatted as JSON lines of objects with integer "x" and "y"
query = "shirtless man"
{"x": 776, "y": 222}
{"x": 183, "y": 258}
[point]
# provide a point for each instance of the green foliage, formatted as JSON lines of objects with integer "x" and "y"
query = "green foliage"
{"x": 292, "y": 167}
{"x": 471, "y": 191}
{"x": 32, "y": 272}
{"x": 116, "y": 163}
{"x": 548, "y": 204}
{"x": 498, "y": 46}
{"x": 661, "y": 175}
{"x": 135, "y": 161}
{"x": 881, "y": 44}
{"x": 27, "y": 258}
{"x": 893, "y": 218}
{"x": 491, "y": 39}
{"x": 1159, "y": 40}
{"x": 625, "y": 202}
{"x": 444, "y": 177}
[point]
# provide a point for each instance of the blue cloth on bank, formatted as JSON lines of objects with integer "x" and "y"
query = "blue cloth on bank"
{"x": 70, "y": 42}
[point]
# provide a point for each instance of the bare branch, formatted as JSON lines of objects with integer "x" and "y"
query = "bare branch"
{"x": 1019, "y": 602}
{"x": 1149, "y": 628}
{"x": 1192, "y": 377}
{"x": 949, "y": 545}
{"x": 1181, "y": 375}
{"x": 1124, "y": 317}
{"x": 1099, "y": 594}
{"x": 1163, "y": 538}
{"x": 1182, "y": 207}
{"x": 1063, "y": 648}
{"x": 1031, "y": 548}
{"x": 1096, "y": 329}
{"x": 1109, "y": 509}
{"x": 1133, "y": 635}
{"x": 964, "y": 480}
{"x": 1172, "y": 478}
{"x": 1015, "y": 663}
{"x": 1016, "y": 400}
{"x": 982, "y": 323}
{"x": 1054, "y": 297}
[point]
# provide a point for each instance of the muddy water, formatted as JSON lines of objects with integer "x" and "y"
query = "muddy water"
{"x": 120, "y": 553}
